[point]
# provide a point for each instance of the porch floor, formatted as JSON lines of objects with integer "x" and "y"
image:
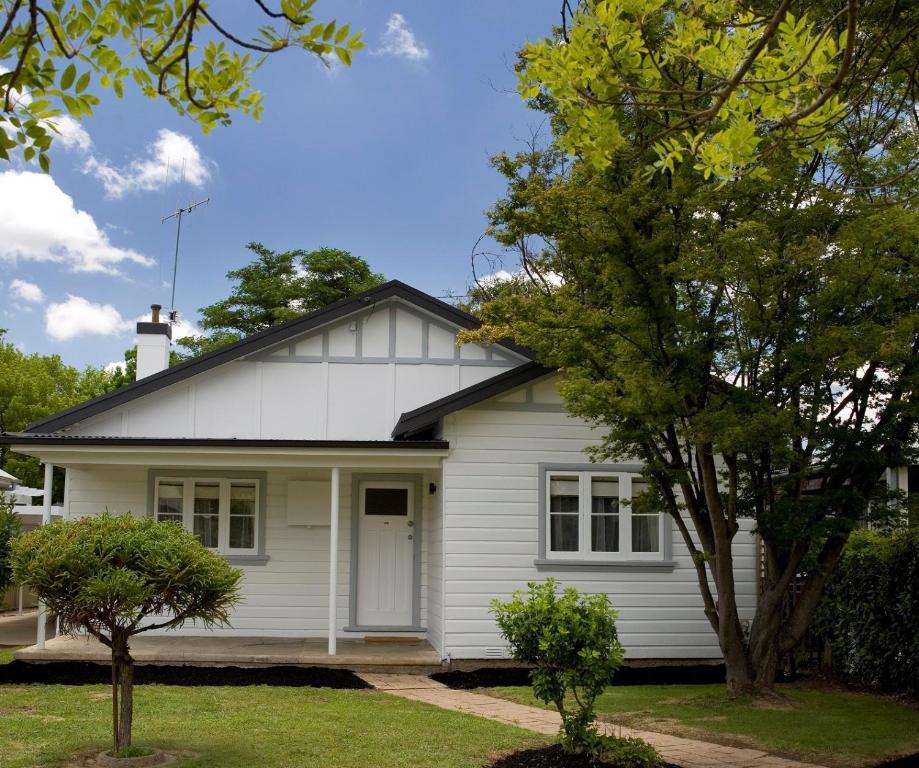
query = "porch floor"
{"x": 355, "y": 654}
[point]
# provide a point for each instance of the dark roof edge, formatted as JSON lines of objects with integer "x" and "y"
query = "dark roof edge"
{"x": 422, "y": 418}
{"x": 315, "y": 319}
{"x": 20, "y": 438}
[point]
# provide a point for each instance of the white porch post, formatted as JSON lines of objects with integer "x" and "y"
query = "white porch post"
{"x": 333, "y": 563}
{"x": 45, "y": 519}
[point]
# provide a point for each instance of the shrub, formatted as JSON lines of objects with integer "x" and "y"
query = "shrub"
{"x": 108, "y": 575}
{"x": 629, "y": 753}
{"x": 869, "y": 615}
{"x": 571, "y": 640}
{"x": 10, "y": 528}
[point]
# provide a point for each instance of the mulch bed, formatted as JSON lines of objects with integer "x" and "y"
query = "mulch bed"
{"x": 88, "y": 673}
{"x": 907, "y": 761}
{"x": 493, "y": 677}
{"x": 550, "y": 757}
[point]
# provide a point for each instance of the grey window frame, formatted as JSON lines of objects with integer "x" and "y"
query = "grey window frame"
{"x": 253, "y": 556}
{"x": 583, "y": 559}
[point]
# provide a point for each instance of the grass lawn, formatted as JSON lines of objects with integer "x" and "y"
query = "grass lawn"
{"x": 41, "y": 725}
{"x": 828, "y": 726}
{"x": 6, "y": 653}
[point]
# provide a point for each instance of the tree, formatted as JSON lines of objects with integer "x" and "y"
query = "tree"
{"x": 179, "y": 51}
{"x": 751, "y": 333}
{"x": 276, "y": 287}
{"x": 35, "y": 386}
{"x": 10, "y": 528}
{"x": 115, "y": 577}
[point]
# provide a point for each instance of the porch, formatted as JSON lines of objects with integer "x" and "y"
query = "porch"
{"x": 359, "y": 655}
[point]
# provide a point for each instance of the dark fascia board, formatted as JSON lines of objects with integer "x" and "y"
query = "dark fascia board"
{"x": 31, "y": 438}
{"x": 257, "y": 341}
{"x": 420, "y": 419}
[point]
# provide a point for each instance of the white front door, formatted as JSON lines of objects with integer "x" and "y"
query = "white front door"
{"x": 385, "y": 553}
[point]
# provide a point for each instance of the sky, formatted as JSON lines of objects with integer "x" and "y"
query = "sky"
{"x": 387, "y": 159}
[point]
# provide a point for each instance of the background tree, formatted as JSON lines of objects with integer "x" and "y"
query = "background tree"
{"x": 10, "y": 528}
{"x": 57, "y": 51}
{"x": 276, "y": 287}
{"x": 744, "y": 321}
{"x": 115, "y": 577}
{"x": 35, "y": 386}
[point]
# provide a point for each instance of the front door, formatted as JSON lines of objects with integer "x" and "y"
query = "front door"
{"x": 386, "y": 554}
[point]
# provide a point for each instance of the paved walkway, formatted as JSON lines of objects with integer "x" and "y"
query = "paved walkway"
{"x": 688, "y": 753}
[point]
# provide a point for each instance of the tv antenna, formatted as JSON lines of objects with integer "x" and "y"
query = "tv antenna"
{"x": 177, "y": 215}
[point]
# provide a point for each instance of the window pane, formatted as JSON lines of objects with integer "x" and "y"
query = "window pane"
{"x": 604, "y": 533}
{"x": 242, "y": 532}
{"x": 386, "y": 501}
{"x": 563, "y": 495}
{"x": 169, "y": 502}
{"x": 646, "y": 533}
{"x": 207, "y": 513}
{"x": 242, "y": 499}
{"x": 563, "y": 533}
{"x": 604, "y": 495}
{"x": 242, "y": 515}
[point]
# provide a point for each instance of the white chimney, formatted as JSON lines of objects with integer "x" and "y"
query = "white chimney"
{"x": 153, "y": 345}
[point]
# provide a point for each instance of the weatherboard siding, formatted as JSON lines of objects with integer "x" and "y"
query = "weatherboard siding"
{"x": 490, "y": 517}
{"x": 349, "y": 380}
{"x": 288, "y": 595}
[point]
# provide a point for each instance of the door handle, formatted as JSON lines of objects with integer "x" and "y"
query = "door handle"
{"x": 411, "y": 523}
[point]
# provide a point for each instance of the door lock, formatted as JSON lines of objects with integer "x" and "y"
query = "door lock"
{"x": 411, "y": 523}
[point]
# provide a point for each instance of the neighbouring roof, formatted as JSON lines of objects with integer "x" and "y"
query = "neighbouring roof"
{"x": 6, "y": 477}
{"x": 33, "y": 438}
{"x": 394, "y": 289}
{"x": 427, "y": 416}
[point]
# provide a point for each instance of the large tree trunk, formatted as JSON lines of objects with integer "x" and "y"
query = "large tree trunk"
{"x": 122, "y": 693}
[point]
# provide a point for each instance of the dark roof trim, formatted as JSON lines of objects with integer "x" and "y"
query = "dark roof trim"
{"x": 413, "y": 422}
{"x": 320, "y": 317}
{"x": 26, "y": 438}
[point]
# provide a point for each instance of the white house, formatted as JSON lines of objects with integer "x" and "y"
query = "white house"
{"x": 372, "y": 477}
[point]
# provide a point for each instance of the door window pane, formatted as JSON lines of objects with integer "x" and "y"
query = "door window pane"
{"x": 564, "y": 529}
{"x": 169, "y": 502}
{"x": 386, "y": 501}
{"x": 604, "y": 514}
{"x": 207, "y": 514}
{"x": 242, "y": 515}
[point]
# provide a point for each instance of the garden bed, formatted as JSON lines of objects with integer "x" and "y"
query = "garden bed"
{"x": 89, "y": 673}
{"x": 551, "y": 757}
{"x": 494, "y": 677}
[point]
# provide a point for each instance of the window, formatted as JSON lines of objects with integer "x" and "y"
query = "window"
{"x": 597, "y": 515}
{"x": 222, "y": 513}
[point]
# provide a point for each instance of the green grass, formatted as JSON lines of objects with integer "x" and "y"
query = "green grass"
{"x": 7, "y": 652}
{"x": 42, "y": 725}
{"x": 829, "y": 726}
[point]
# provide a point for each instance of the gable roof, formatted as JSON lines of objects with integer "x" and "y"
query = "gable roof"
{"x": 423, "y": 418}
{"x": 394, "y": 289}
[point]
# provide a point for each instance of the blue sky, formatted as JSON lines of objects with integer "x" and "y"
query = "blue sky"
{"x": 388, "y": 159}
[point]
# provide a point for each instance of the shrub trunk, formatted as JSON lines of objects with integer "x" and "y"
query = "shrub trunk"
{"x": 122, "y": 694}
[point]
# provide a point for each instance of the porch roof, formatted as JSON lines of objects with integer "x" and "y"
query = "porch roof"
{"x": 70, "y": 450}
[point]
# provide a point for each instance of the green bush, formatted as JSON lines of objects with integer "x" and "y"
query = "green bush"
{"x": 869, "y": 615}
{"x": 571, "y": 641}
{"x": 10, "y": 528}
{"x": 629, "y": 753}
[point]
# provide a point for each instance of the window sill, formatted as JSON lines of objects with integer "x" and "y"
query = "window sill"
{"x": 246, "y": 559}
{"x": 653, "y": 566}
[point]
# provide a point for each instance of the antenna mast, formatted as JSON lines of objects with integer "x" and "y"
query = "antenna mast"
{"x": 177, "y": 215}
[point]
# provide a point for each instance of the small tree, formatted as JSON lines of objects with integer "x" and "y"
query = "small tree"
{"x": 10, "y": 527}
{"x": 107, "y": 575}
{"x": 571, "y": 640}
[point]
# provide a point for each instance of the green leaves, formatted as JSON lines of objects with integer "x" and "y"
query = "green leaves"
{"x": 154, "y": 44}
{"x": 708, "y": 81}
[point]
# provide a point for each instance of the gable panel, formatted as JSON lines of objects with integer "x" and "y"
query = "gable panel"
{"x": 375, "y": 334}
{"x": 360, "y": 401}
{"x": 226, "y": 402}
{"x": 293, "y": 402}
{"x": 409, "y": 332}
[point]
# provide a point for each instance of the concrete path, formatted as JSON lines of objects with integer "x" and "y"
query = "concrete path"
{"x": 20, "y": 630}
{"x": 688, "y": 753}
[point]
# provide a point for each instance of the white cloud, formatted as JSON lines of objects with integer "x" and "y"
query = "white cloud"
{"x": 399, "y": 40}
{"x": 70, "y": 134}
{"x": 80, "y": 317}
{"x": 26, "y": 291}
{"x": 115, "y": 366}
{"x": 170, "y": 159}
{"x": 39, "y": 222}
